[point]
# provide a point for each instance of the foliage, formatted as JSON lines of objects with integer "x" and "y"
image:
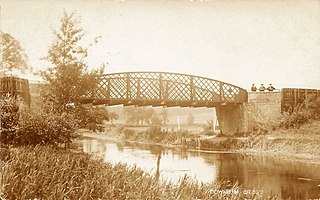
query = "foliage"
{"x": 9, "y": 118}
{"x": 90, "y": 117}
{"x": 190, "y": 119}
{"x": 294, "y": 119}
{"x": 37, "y": 126}
{"x": 22, "y": 125}
{"x": 13, "y": 55}
{"x": 68, "y": 77}
{"x": 301, "y": 114}
{"x": 45, "y": 173}
{"x": 164, "y": 114}
{"x": 155, "y": 120}
{"x": 208, "y": 128}
{"x": 128, "y": 133}
{"x": 138, "y": 115}
{"x": 154, "y": 133}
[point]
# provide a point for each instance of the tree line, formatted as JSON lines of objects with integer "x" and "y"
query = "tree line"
{"x": 145, "y": 115}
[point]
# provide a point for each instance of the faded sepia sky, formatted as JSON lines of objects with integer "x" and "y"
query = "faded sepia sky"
{"x": 240, "y": 42}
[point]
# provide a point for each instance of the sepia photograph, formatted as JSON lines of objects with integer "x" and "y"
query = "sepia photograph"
{"x": 159, "y": 99}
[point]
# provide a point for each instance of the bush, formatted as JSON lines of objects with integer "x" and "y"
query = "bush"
{"x": 155, "y": 133}
{"x": 208, "y": 128}
{"x": 90, "y": 117}
{"x": 39, "y": 127}
{"x": 9, "y": 118}
{"x": 128, "y": 133}
{"x": 22, "y": 125}
{"x": 314, "y": 107}
{"x": 294, "y": 119}
{"x": 301, "y": 114}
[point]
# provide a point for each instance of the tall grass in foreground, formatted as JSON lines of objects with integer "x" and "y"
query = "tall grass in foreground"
{"x": 43, "y": 172}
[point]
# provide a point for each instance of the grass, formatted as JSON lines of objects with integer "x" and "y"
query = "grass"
{"x": 43, "y": 172}
{"x": 298, "y": 142}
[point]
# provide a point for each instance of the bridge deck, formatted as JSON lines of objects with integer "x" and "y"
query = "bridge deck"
{"x": 163, "y": 89}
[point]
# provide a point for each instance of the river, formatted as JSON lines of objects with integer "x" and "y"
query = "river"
{"x": 285, "y": 178}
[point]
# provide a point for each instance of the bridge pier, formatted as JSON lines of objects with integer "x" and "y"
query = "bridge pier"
{"x": 231, "y": 118}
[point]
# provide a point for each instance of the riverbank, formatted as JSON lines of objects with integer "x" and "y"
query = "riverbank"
{"x": 300, "y": 144}
{"x": 45, "y": 172}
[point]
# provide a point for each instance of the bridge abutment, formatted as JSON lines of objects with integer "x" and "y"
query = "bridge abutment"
{"x": 261, "y": 109}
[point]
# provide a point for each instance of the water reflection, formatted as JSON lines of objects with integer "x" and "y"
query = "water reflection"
{"x": 287, "y": 179}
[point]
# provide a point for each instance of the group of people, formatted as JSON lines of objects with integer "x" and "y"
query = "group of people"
{"x": 262, "y": 88}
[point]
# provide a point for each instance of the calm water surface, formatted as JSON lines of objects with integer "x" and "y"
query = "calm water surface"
{"x": 287, "y": 179}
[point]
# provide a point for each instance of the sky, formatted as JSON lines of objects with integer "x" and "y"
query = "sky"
{"x": 239, "y": 42}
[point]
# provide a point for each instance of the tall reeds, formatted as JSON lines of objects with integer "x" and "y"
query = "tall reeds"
{"x": 44, "y": 172}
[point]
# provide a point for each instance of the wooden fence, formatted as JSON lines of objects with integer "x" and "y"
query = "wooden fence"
{"x": 291, "y": 97}
{"x": 16, "y": 87}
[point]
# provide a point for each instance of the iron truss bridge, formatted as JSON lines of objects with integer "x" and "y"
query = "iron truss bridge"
{"x": 163, "y": 89}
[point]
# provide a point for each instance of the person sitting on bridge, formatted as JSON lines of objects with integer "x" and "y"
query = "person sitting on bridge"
{"x": 262, "y": 88}
{"x": 253, "y": 88}
{"x": 271, "y": 88}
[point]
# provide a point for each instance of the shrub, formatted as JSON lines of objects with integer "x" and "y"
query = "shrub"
{"x": 155, "y": 133}
{"x": 301, "y": 114}
{"x": 183, "y": 132}
{"x": 22, "y": 125}
{"x": 294, "y": 119}
{"x": 39, "y": 127}
{"x": 90, "y": 117}
{"x": 128, "y": 133}
{"x": 9, "y": 118}
{"x": 208, "y": 128}
{"x": 314, "y": 106}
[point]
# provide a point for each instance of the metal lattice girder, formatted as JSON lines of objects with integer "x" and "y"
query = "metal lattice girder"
{"x": 167, "y": 89}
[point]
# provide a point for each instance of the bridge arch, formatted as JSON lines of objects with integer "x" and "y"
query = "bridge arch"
{"x": 163, "y": 89}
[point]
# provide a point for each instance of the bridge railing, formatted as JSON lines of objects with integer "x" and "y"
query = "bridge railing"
{"x": 169, "y": 88}
{"x": 291, "y": 97}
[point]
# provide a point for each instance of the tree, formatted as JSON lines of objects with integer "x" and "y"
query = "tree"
{"x": 164, "y": 114}
{"x": 13, "y": 55}
{"x": 156, "y": 120}
{"x": 68, "y": 77}
{"x": 138, "y": 115}
{"x": 190, "y": 119}
{"x": 147, "y": 114}
{"x": 91, "y": 117}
